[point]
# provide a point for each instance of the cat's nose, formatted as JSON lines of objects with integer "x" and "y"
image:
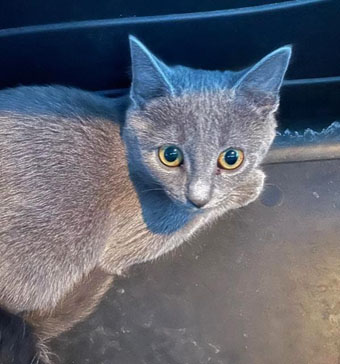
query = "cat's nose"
{"x": 198, "y": 201}
{"x": 199, "y": 194}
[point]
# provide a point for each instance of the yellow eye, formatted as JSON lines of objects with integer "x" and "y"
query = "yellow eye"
{"x": 170, "y": 155}
{"x": 230, "y": 159}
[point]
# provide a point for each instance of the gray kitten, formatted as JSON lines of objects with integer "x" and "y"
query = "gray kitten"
{"x": 90, "y": 186}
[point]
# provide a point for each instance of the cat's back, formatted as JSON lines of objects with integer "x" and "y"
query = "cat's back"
{"x": 57, "y": 108}
{"x": 53, "y": 131}
{"x": 56, "y": 126}
{"x": 60, "y": 157}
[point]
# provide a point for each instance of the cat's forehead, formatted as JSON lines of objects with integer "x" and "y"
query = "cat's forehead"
{"x": 195, "y": 113}
{"x": 208, "y": 120}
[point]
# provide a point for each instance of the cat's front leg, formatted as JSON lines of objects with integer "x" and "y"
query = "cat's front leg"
{"x": 74, "y": 307}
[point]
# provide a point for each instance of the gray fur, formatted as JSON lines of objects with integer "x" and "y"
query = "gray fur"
{"x": 81, "y": 185}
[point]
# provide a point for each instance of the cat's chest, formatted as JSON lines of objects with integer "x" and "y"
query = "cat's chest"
{"x": 141, "y": 233}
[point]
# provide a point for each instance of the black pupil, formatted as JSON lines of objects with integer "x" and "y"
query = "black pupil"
{"x": 231, "y": 156}
{"x": 171, "y": 154}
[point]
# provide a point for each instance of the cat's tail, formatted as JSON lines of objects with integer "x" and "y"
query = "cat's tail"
{"x": 18, "y": 343}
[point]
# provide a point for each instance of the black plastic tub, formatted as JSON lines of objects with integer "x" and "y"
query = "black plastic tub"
{"x": 263, "y": 285}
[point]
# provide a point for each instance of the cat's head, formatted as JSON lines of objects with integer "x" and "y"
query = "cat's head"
{"x": 201, "y": 135}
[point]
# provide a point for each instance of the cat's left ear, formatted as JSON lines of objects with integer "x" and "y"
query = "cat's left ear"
{"x": 149, "y": 74}
{"x": 266, "y": 76}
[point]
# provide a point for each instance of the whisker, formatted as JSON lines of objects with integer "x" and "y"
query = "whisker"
{"x": 152, "y": 189}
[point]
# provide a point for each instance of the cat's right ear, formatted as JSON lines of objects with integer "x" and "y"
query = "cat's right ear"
{"x": 149, "y": 74}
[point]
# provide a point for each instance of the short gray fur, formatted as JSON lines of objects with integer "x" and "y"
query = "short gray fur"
{"x": 81, "y": 184}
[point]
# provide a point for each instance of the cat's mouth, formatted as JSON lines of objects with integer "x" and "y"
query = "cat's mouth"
{"x": 227, "y": 202}
{"x": 188, "y": 205}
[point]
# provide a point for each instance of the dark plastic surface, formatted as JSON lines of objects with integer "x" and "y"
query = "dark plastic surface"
{"x": 98, "y": 58}
{"x": 310, "y": 105}
{"x": 261, "y": 287}
{"x": 21, "y": 12}
{"x": 94, "y": 54}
